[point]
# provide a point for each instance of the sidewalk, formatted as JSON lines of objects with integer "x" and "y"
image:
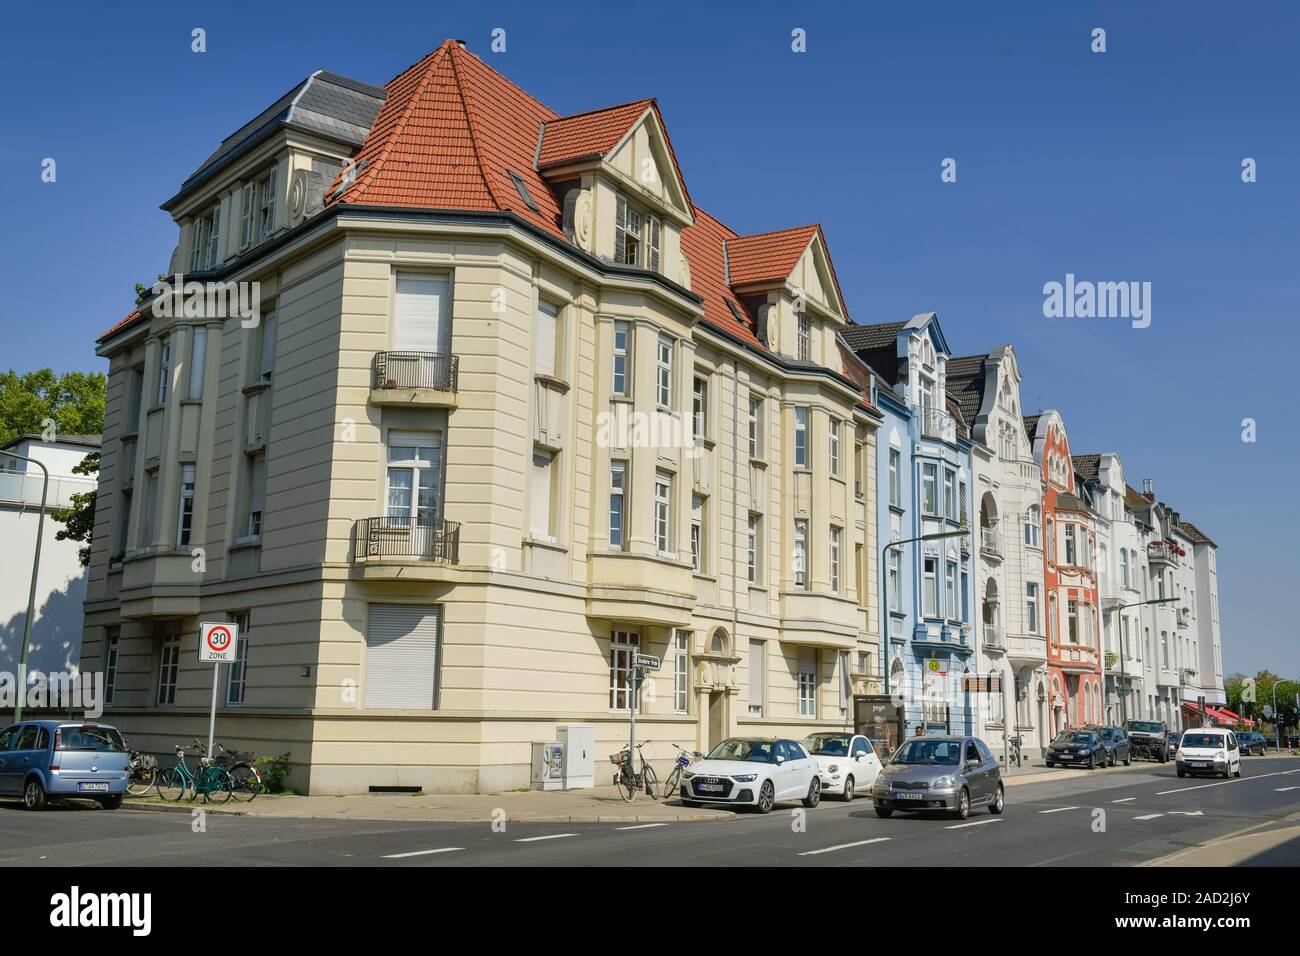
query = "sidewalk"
{"x": 596, "y": 805}
{"x": 1266, "y": 844}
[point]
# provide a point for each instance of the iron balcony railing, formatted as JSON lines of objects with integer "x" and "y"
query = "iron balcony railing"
{"x": 995, "y": 635}
{"x": 403, "y": 537}
{"x": 434, "y": 370}
{"x": 1162, "y": 551}
{"x": 990, "y": 541}
{"x": 935, "y": 422}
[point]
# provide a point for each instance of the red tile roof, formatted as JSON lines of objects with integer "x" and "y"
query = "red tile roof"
{"x": 121, "y": 324}
{"x": 768, "y": 256}
{"x": 593, "y": 133}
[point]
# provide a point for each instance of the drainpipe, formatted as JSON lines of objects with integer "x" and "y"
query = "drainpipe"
{"x": 31, "y": 592}
{"x": 735, "y": 499}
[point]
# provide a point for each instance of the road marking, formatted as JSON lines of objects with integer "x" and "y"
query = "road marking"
{"x": 1221, "y": 783}
{"x": 1285, "y": 789}
{"x": 441, "y": 849}
{"x": 845, "y": 846}
{"x": 549, "y": 836}
{"x": 1124, "y": 800}
{"x": 1149, "y": 816}
{"x": 642, "y": 826}
{"x": 1058, "y": 810}
{"x": 1188, "y": 813}
{"x": 977, "y": 823}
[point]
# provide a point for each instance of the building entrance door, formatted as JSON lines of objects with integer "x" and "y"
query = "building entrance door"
{"x": 717, "y": 719}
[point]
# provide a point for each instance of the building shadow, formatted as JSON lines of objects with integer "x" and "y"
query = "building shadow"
{"x": 56, "y": 635}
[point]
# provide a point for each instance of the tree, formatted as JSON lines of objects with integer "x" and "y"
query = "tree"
{"x": 74, "y": 402}
{"x": 79, "y": 517}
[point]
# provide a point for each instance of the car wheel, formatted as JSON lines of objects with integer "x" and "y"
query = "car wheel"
{"x": 884, "y": 812}
{"x": 814, "y": 793}
{"x": 766, "y": 797}
{"x": 963, "y": 804}
{"x": 1182, "y": 772}
{"x": 1128, "y": 761}
{"x": 34, "y": 795}
{"x": 999, "y": 801}
{"x": 1164, "y": 756}
{"x": 1092, "y": 761}
{"x": 848, "y": 790}
{"x": 1050, "y": 764}
{"x": 1237, "y": 772}
{"x": 111, "y": 802}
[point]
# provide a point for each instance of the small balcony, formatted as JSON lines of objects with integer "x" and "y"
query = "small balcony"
{"x": 936, "y": 423}
{"x": 994, "y": 637}
{"x": 1184, "y": 617}
{"x": 389, "y": 541}
{"x": 990, "y": 543}
{"x": 1163, "y": 552}
{"x": 415, "y": 378}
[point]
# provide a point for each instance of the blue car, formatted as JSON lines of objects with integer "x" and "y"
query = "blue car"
{"x": 42, "y": 760}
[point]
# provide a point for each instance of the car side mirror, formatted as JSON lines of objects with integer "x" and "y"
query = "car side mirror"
{"x": 972, "y": 762}
{"x": 859, "y": 755}
{"x": 779, "y": 760}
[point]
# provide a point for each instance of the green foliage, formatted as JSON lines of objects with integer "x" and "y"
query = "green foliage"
{"x": 1265, "y": 682}
{"x": 275, "y": 772}
{"x": 79, "y": 518}
{"x": 74, "y": 402}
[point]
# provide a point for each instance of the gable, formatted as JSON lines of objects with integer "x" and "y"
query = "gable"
{"x": 813, "y": 274}
{"x": 644, "y": 158}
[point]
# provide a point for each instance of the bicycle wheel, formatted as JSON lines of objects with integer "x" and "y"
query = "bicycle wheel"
{"x": 217, "y": 785}
{"x": 171, "y": 784}
{"x": 674, "y": 782}
{"x": 627, "y": 784}
{"x": 142, "y": 780}
{"x": 650, "y": 781}
{"x": 247, "y": 783}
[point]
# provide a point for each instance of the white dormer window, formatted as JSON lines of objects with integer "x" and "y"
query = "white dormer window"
{"x": 247, "y": 214}
{"x": 805, "y": 339}
{"x": 214, "y": 238}
{"x": 627, "y": 234}
{"x": 266, "y": 211}
{"x": 204, "y": 250}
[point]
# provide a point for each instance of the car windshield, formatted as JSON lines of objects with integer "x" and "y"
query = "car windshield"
{"x": 1145, "y": 726}
{"x": 100, "y": 739}
{"x": 1202, "y": 740}
{"x": 754, "y": 751}
{"x": 827, "y": 745}
{"x": 1073, "y": 737}
{"x": 929, "y": 752}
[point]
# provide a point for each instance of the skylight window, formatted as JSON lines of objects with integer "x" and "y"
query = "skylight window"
{"x": 522, "y": 189}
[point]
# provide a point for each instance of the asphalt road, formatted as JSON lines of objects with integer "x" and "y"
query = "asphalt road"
{"x": 1145, "y": 814}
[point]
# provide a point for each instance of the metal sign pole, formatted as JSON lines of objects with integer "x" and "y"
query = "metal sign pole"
{"x": 212, "y": 717}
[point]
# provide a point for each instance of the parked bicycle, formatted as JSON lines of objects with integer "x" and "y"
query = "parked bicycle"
{"x": 213, "y": 782}
{"x": 684, "y": 759}
{"x": 246, "y": 777}
{"x": 143, "y": 773}
{"x": 628, "y": 780}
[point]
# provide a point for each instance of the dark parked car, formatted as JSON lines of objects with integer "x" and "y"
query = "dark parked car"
{"x": 1174, "y": 737}
{"x": 1077, "y": 747}
{"x": 1116, "y": 743}
{"x": 1253, "y": 743}
{"x": 1149, "y": 739}
{"x": 940, "y": 773}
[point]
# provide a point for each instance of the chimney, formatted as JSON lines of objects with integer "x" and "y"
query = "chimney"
{"x": 462, "y": 44}
{"x": 1147, "y": 491}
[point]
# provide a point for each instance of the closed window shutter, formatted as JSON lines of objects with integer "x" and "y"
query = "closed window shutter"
{"x": 257, "y": 490}
{"x": 757, "y": 667}
{"x": 419, "y": 313}
{"x": 547, "y": 322}
{"x": 198, "y": 357}
{"x": 620, "y": 229}
{"x": 214, "y": 239}
{"x": 402, "y": 646}
{"x": 654, "y": 243}
{"x": 540, "y": 497}
{"x": 246, "y": 217}
{"x": 268, "y": 204}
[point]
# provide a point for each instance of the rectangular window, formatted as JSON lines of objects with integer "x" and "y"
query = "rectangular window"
{"x": 247, "y": 215}
{"x": 168, "y": 664}
{"x": 805, "y": 339}
{"x": 266, "y": 212}
{"x": 664, "y": 372}
{"x": 617, "y": 502}
{"x": 801, "y": 438}
{"x": 1123, "y": 567}
{"x": 757, "y": 677}
{"x": 895, "y": 492}
{"x": 836, "y": 535}
{"x": 546, "y": 345}
{"x": 185, "y": 517}
{"x": 700, "y": 407}
{"x": 752, "y": 545}
{"x": 654, "y": 254}
{"x": 1164, "y": 650}
{"x": 950, "y": 494}
{"x": 846, "y": 682}
{"x": 929, "y": 489}
{"x": 961, "y": 501}
{"x": 697, "y": 532}
{"x": 681, "y": 672}
{"x": 1031, "y": 527}
{"x": 627, "y": 233}
{"x": 755, "y": 426}
{"x": 266, "y": 348}
{"x": 1031, "y": 607}
{"x": 150, "y": 510}
{"x": 164, "y": 369}
{"x": 1072, "y": 621}
{"x": 622, "y": 658}
{"x": 256, "y": 495}
{"x": 124, "y": 523}
{"x": 212, "y": 255}
{"x": 237, "y": 676}
{"x": 403, "y": 653}
{"x": 198, "y": 358}
{"x": 806, "y": 678}
{"x": 199, "y": 244}
{"x": 541, "y": 495}
{"x": 800, "y": 553}
{"x": 895, "y": 572}
{"x": 930, "y": 588}
{"x": 421, "y": 325}
{"x": 112, "y": 637}
{"x": 1070, "y": 555}
{"x": 663, "y": 512}
{"x": 622, "y": 358}
{"x": 833, "y": 445}
{"x": 135, "y": 396}
{"x": 951, "y": 609}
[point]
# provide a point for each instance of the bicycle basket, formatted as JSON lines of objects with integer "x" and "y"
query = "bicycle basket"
{"x": 619, "y": 758}
{"x": 148, "y": 761}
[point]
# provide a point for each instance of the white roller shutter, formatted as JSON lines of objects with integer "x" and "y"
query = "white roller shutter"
{"x": 544, "y": 355}
{"x": 402, "y": 645}
{"x": 420, "y": 312}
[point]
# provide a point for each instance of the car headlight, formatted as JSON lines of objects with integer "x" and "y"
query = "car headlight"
{"x": 1221, "y": 755}
{"x": 834, "y": 768}
{"x": 745, "y": 777}
{"x": 944, "y": 783}
{"x": 687, "y": 775}
{"x": 1085, "y": 750}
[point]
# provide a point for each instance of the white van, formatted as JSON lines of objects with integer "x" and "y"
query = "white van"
{"x": 1209, "y": 750}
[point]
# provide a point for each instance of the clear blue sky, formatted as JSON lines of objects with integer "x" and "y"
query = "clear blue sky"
{"x": 1116, "y": 166}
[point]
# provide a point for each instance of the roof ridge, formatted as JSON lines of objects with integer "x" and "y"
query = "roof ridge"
{"x": 600, "y": 109}
{"x": 454, "y": 46}
{"x": 781, "y": 232}
{"x": 469, "y": 122}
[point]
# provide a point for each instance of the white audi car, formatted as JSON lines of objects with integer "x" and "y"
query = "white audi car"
{"x": 753, "y": 771}
{"x": 846, "y": 763}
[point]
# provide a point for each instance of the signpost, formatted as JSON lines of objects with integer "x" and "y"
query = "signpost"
{"x": 641, "y": 664}
{"x": 217, "y": 644}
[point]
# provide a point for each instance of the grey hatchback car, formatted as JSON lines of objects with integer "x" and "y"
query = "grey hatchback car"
{"x": 940, "y": 773}
{"x": 53, "y": 759}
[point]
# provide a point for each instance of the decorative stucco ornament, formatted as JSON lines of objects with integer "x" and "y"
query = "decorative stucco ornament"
{"x": 582, "y": 222}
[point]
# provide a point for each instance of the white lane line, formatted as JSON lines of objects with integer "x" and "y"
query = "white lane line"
{"x": 977, "y": 823}
{"x": 1058, "y": 810}
{"x": 1149, "y": 816}
{"x": 1124, "y": 800}
{"x": 1222, "y": 783}
{"x": 845, "y": 846}
{"x": 441, "y": 849}
{"x": 642, "y": 826}
{"x": 549, "y": 836}
{"x": 1285, "y": 789}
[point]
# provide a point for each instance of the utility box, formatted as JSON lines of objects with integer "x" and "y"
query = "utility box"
{"x": 548, "y": 766}
{"x": 579, "y": 743}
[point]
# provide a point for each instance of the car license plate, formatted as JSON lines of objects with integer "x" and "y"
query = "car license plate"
{"x": 710, "y": 788}
{"x": 907, "y": 795}
{"x": 92, "y": 787}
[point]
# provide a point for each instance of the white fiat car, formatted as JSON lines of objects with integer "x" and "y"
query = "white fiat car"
{"x": 846, "y": 763}
{"x": 1209, "y": 750}
{"x": 753, "y": 771}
